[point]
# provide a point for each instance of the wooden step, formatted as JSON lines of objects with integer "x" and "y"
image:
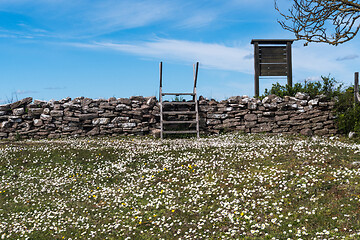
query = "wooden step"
{"x": 178, "y": 94}
{"x": 176, "y": 122}
{"x": 175, "y": 132}
{"x": 179, "y": 112}
{"x": 179, "y": 103}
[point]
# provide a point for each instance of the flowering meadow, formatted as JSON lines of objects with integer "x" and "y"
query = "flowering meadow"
{"x": 231, "y": 186}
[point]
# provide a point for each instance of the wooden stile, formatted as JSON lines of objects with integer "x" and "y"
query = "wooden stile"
{"x": 194, "y": 102}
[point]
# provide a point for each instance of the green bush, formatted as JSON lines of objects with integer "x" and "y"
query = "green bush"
{"x": 327, "y": 86}
{"x": 348, "y": 112}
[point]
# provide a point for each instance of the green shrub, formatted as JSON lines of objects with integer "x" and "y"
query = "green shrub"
{"x": 178, "y": 99}
{"x": 327, "y": 86}
{"x": 348, "y": 112}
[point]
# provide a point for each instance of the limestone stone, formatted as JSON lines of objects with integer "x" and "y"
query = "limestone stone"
{"x": 313, "y": 102}
{"x": 151, "y": 101}
{"x": 68, "y": 113}
{"x": 5, "y": 107}
{"x": 100, "y": 121}
{"x": 302, "y": 96}
{"x": 266, "y": 100}
{"x": 217, "y": 116}
{"x": 71, "y": 105}
{"x": 250, "y": 124}
{"x": 281, "y": 118}
{"x": 318, "y": 126}
{"x": 252, "y": 106}
{"x": 5, "y": 124}
{"x": 319, "y": 119}
{"x": 71, "y": 119}
{"x": 15, "y": 119}
{"x": 122, "y": 106}
{"x": 303, "y": 103}
{"x": 3, "y": 135}
{"x": 46, "y": 111}
{"x": 207, "y": 108}
{"x": 323, "y": 104}
{"x": 213, "y": 122}
{"x": 54, "y": 135}
{"x": 93, "y": 132}
{"x": 261, "y": 129}
{"x": 35, "y": 111}
{"x": 280, "y": 130}
{"x": 24, "y": 101}
{"x": 107, "y": 115}
{"x": 18, "y": 111}
{"x": 45, "y": 117}
{"x": 226, "y": 126}
{"x": 126, "y": 101}
{"x": 250, "y": 117}
{"x": 268, "y": 114}
{"x": 56, "y": 113}
{"x": 88, "y": 116}
{"x": 128, "y": 125}
{"x": 306, "y": 132}
{"x": 234, "y": 99}
{"x": 38, "y": 122}
{"x": 322, "y": 132}
{"x": 106, "y": 106}
{"x": 265, "y": 119}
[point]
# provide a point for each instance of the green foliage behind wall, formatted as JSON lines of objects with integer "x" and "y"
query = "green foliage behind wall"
{"x": 347, "y": 112}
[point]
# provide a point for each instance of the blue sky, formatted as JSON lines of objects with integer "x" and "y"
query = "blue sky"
{"x": 52, "y": 49}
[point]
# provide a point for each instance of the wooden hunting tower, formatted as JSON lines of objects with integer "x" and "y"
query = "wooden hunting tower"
{"x": 272, "y": 57}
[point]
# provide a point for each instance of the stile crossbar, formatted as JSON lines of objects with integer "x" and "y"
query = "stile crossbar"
{"x": 194, "y": 102}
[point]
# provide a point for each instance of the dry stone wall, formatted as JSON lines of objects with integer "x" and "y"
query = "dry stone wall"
{"x": 140, "y": 115}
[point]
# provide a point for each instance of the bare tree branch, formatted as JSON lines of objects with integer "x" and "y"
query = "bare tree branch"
{"x": 329, "y": 21}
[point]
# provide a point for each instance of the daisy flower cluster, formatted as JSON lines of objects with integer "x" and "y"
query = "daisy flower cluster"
{"x": 232, "y": 186}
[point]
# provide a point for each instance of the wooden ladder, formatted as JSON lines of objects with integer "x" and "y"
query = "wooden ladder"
{"x": 194, "y": 102}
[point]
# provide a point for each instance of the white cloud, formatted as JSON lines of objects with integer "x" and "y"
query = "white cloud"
{"x": 308, "y": 62}
{"x": 54, "y": 88}
{"x": 20, "y": 92}
{"x": 210, "y": 55}
{"x": 199, "y": 20}
{"x": 127, "y": 14}
{"x": 347, "y": 57}
{"x": 321, "y": 59}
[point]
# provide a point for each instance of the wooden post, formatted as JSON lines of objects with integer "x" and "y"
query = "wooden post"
{"x": 196, "y": 100}
{"x": 196, "y": 73}
{"x": 257, "y": 68}
{"x": 356, "y": 88}
{"x": 160, "y": 100}
{"x": 289, "y": 64}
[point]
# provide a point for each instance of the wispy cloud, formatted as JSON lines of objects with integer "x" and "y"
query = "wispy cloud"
{"x": 87, "y": 18}
{"x": 55, "y": 88}
{"x": 318, "y": 59}
{"x": 210, "y": 55}
{"x": 23, "y": 31}
{"x": 313, "y": 60}
{"x": 22, "y": 92}
{"x": 116, "y": 15}
{"x": 347, "y": 57}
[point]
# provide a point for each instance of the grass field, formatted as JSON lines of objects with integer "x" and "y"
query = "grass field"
{"x": 230, "y": 186}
